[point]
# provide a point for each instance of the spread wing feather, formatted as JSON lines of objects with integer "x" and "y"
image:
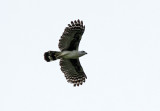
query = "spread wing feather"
{"x": 71, "y": 36}
{"x": 73, "y": 71}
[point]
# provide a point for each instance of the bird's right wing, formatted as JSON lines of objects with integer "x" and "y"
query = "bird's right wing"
{"x": 73, "y": 71}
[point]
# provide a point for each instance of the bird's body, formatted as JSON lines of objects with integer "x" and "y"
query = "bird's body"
{"x": 69, "y": 54}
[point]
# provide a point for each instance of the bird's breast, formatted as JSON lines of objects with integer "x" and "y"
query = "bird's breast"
{"x": 70, "y": 55}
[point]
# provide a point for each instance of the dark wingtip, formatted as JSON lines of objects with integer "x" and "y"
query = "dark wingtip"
{"x": 46, "y": 56}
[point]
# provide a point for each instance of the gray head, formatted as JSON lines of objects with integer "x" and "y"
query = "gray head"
{"x": 81, "y": 53}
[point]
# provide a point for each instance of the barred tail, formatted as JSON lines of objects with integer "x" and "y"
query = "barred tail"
{"x": 51, "y": 55}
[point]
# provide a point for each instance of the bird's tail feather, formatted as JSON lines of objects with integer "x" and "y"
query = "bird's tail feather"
{"x": 51, "y": 55}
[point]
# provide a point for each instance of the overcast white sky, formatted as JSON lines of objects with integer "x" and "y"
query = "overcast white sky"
{"x": 122, "y": 38}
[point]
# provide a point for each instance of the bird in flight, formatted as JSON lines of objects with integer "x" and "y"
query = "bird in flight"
{"x": 69, "y": 53}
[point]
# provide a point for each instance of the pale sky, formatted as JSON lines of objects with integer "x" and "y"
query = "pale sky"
{"x": 122, "y": 39}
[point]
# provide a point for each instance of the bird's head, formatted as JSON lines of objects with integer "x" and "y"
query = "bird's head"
{"x": 81, "y": 53}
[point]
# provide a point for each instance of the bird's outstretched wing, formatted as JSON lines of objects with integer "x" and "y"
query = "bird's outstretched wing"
{"x": 71, "y": 36}
{"x": 73, "y": 71}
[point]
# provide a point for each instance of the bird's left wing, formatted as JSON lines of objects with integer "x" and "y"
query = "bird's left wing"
{"x": 71, "y": 36}
{"x": 73, "y": 71}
